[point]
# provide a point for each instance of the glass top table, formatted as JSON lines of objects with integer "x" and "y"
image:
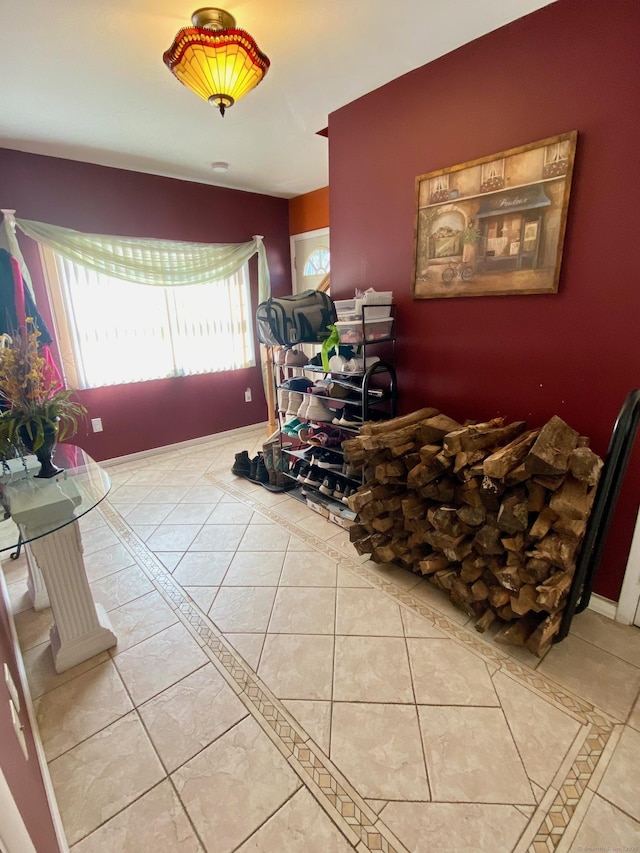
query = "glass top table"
{"x": 35, "y": 507}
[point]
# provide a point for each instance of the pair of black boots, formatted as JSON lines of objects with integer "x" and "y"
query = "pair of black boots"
{"x": 252, "y": 469}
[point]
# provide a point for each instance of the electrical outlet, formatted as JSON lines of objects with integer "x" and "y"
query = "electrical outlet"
{"x": 247, "y": 395}
{"x": 96, "y": 424}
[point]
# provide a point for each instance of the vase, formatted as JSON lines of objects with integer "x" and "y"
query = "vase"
{"x": 44, "y": 454}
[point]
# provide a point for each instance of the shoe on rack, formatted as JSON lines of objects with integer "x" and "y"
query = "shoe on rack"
{"x": 338, "y": 489}
{"x": 303, "y": 470}
{"x": 314, "y": 478}
{"x": 304, "y": 405}
{"x": 280, "y": 356}
{"x": 349, "y": 490}
{"x": 328, "y": 486}
{"x": 297, "y": 383}
{"x": 295, "y": 358}
{"x": 242, "y": 464}
{"x": 350, "y": 416}
{"x": 327, "y": 459}
{"x": 295, "y": 399}
{"x": 283, "y": 399}
{"x": 318, "y": 411}
{"x": 290, "y": 427}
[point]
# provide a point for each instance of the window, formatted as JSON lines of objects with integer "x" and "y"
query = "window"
{"x": 317, "y": 262}
{"x": 112, "y": 331}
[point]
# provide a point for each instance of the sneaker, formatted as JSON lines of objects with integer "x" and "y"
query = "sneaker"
{"x": 347, "y": 494}
{"x": 328, "y": 486}
{"x": 302, "y": 473}
{"x": 350, "y": 416}
{"x": 327, "y": 459}
{"x": 318, "y": 411}
{"x": 295, "y": 399}
{"x": 242, "y": 465}
{"x": 314, "y": 478}
{"x": 339, "y": 490}
{"x": 283, "y": 399}
{"x": 295, "y": 358}
{"x": 304, "y": 405}
{"x": 297, "y": 383}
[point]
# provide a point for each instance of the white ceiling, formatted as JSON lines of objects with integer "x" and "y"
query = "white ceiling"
{"x": 84, "y": 80}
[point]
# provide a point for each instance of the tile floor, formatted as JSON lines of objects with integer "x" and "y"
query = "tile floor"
{"x": 272, "y": 691}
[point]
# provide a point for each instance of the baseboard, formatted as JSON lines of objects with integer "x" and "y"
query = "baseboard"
{"x": 603, "y": 606}
{"x": 181, "y": 445}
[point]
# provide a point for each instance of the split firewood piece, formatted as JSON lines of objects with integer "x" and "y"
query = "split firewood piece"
{"x": 371, "y": 510}
{"x": 433, "y": 563}
{"x": 585, "y": 465}
{"x": 446, "y": 520}
{"x": 466, "y": 459}
{"x": 553, "y": 591}
{"x": 425, "y": 473}
{"x": 363, "y": 546}
{"x": 552, "y": 450}
{"x": 473, "y": 516}
{"x": 513, "y": 515}
{"x": 543, "y": 523}
{"x": 490, "y": 493}
{"x": 517, "y": 633}
{"x": 514, "y": 544}
{"x": 479, "y": 590}
{"x": 357, "y": 531}
{"x": 542, "y": 637}
{"x": 402, "y": 450}
{"x": 508, "y": 457}
{"x": 569, "y": 528}
{"x": 441, "y": 489}
{"x": 550, "y": 482}
{"x": 461, "y": 591}
{"x": 525, "y": 600}
{"x": 413, "y": 506}
{"x": 481, "y": 436}
{"x": 470, "y": 493}
{"x": 435, "y": 428}
{"x": 389, "y": 472}
{"x": 536, "y": 570}
{"x": 508, "y": 577}
{"x": 498, "y": 596}
{"x": 537, "y": 499}
{"x": 559, "y": 551}
{"x": 487, "y": 540}
{"x": 485, "y": 621}
{"x": 353, "y": 450}
{"x": 472, "y": 568}
{"x": 392, "y": 438}
{"x": 573, "y": 499}
{"x": 383, "y": 523}
{"x": 376, "y": 427}
{"x": 360, "y": 498}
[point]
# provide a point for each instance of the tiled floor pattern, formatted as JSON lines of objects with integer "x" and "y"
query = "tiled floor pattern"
{"x": 273, "y": 691}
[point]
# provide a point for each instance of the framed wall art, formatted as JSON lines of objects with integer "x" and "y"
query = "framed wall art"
{"x": 494, "y": 226}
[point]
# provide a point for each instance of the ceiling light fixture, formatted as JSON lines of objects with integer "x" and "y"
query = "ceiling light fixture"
{"x": 217, "y": 61}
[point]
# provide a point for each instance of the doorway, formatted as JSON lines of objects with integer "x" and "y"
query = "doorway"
{"x": 310, "y": 259}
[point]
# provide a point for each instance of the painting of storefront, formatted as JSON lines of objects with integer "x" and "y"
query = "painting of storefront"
{"x": 494, "y": 226}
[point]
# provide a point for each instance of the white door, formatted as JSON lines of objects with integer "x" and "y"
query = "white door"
{"x": 310, "y": 259}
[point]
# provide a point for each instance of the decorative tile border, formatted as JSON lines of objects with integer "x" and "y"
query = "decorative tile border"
{"x": 342, "y": 803}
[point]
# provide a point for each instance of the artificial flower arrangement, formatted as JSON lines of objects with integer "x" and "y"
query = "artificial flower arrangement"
{"x": 33, "y": 400}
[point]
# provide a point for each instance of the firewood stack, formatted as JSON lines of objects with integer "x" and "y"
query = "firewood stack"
{"x": 493, "y": 514}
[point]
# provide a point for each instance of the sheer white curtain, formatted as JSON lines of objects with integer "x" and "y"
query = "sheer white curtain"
{"x": 171, "y": 266}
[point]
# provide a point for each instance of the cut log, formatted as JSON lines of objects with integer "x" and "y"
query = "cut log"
{"x": 462, "y": 439}
{"x": 573, "y": 499}
{"x": 525, "y": 600}
{"x": 513, "y": 515}
{"x": 471, "y": 570}
{"x": 357, "y": 531}
{"x": 425, "y": 473}
{"x": 504, "y": 460}
{"x": 517, "y": 633}
{"x": 434, "y": 563}
{"x": 543, "y": 523}
{"x": 542, "y": 637}
{"x": 485, "y": 621}
{"x": 585, "y": 465}
{"x": 552, "y": 450}
{"x": 498, "y": 596}
{"x": 513, "y": 544}
{"x": 363, "y": 546}
{"x": 508, "y": 577}
{"x": 479, "y": 590}
{"x": 377, "y": 427}
{"x": 487, "y": 540}
{"x": 490, "y": 492}
{"x": 390, "y": 471}
{"x": 537, "y": 499}
{"x": 473, "y": 516}
{"x": 536, "y": 570}
{"x": 383, "y": 523}
{"x": 557, "y": 550}
{"x": 435, "y": 428}
{"x": 553, "y": 591}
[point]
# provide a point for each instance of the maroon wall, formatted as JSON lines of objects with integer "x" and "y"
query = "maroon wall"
{"x": 111, "y": 201}
{"x": 572, "y": 65}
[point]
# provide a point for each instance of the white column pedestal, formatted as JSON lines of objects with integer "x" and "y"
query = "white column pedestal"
{"x": 35, "y": 582}
{"x": 81, "y": 628}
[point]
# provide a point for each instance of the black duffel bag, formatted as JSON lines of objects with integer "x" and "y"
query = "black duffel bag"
{"x": 300, "y": 319}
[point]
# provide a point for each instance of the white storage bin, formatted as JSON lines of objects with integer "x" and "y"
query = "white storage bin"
{"x": 345, "y": 308}
{"x": 378, "y": 304}
{"x": 351, "y": 331}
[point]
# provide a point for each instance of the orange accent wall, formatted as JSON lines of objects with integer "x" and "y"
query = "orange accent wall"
{"x": 309, "y": 211}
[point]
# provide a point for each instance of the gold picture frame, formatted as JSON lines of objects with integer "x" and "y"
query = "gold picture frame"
{"x": 494, "y": 226}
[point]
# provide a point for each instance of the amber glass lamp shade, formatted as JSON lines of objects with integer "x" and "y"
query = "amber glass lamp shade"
{"x": 219, "y": 65}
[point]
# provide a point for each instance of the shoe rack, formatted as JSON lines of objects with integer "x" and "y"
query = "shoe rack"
{"x": 313, "y": 424}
